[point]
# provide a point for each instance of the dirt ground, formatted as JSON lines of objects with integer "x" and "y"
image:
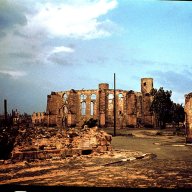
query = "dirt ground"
{"x": 141, "y": 159}
{"x": 163, "y": 143}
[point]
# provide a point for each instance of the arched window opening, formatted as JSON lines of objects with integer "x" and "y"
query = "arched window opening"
{"x": 83, "y": 108}
{"x": 120, "y": 103}
{"x": 110, "y": 103}
{"x": 93, "y": 97}
{"x": 83, "y": 97}
{"x": 110, "y": 98}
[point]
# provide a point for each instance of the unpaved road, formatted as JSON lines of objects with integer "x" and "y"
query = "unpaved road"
{"x": 165, "y": 147}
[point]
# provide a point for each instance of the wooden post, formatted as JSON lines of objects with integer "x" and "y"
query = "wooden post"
{"x": 5, "y": 111}
{"x": 114, "y": 106}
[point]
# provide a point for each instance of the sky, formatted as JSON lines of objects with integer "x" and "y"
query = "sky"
{"x": 58, "y": 45}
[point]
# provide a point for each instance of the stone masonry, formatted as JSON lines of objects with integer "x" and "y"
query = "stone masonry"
{"x": 188, "y": 117}
{"x": 74, "y": 107}
{"x": 50, "y": 143}
{"x": 38, "y": 118}
{"x": 71, "y": 108}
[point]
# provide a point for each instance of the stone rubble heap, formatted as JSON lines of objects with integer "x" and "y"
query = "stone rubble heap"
{"x": 46, "y": 143}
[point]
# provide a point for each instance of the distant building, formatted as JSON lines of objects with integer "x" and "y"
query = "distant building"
{"x": 15, "y": 117}
{"x": 73, "y": 107}
{"x": 10, "y": 119}
{"x": 38, "y": 118}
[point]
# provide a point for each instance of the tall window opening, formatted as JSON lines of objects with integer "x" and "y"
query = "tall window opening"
{"x": 92, "y": 104}
{"x": 83, "y": 97}
{"x": 64, "y": 96}
{"x": 92, "y": 108}
{"x": 110, "y": 101}
{"x": 83, "y": 108}
{"x": 120, "y": 103}
{"x": 93, "y": 97}
{"x": 83, "y": 104}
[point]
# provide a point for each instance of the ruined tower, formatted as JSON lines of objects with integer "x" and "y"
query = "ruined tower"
{"x": 53, "y": 103}
{"x": 146, "y": 87}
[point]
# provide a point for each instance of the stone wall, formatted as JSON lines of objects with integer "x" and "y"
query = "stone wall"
{"x": 38, "y": 118}
{"x": 188, "y": 117}
{"x": 146, "y": 87}
{"x": 74, "y": 107}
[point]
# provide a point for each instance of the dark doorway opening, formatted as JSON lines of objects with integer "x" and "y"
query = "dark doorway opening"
{"x": 86, "y": 152}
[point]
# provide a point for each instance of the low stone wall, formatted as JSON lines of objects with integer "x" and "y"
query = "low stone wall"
{"x": 46, "y": 143}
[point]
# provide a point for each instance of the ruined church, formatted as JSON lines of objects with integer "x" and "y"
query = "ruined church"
{"x": 73, "y": 107}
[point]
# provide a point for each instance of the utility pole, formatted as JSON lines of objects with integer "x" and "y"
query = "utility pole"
{"x": 114, "y": 106}
{"x": 5, "y": 111}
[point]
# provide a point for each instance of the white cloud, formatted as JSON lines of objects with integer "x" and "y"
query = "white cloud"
{"x": 30, "y": 44}
{"x": 62, "y": 49}
{"x": 73, "y": 20}
{"x": 13, "y": 74}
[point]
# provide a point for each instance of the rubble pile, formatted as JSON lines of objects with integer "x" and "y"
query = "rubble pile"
{"x": 46, "y": 142}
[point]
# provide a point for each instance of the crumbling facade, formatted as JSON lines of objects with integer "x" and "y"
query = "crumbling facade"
{"x": 71, "y": 108}
{"x": 38, "y": 118}
{"x": 188, "y": 117}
